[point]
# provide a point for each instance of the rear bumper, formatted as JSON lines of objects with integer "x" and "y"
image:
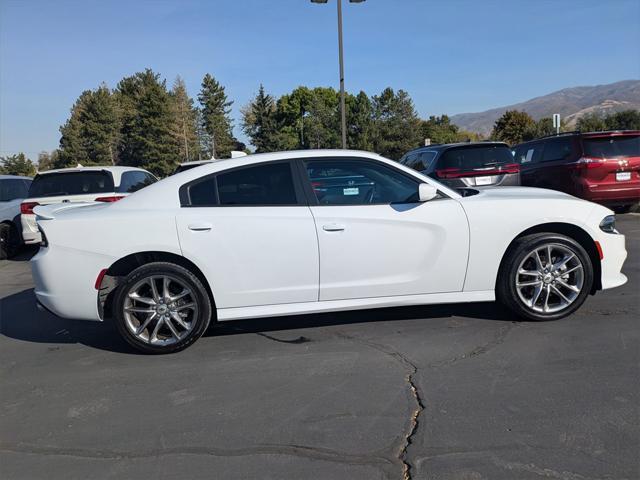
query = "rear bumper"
{"x": 622, "y": 193}
{"x": 64, "y": 282}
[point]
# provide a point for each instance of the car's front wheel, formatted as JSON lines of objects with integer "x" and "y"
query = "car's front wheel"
{"x": 545, "y": 276}
{"x": 161, "y": 308}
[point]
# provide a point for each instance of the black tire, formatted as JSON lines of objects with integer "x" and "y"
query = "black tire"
{"x": 506, "y": 290}
{"x": 8, "y": 241}
{"x": 199, "y": 297}
{"x": 622, "y": 208}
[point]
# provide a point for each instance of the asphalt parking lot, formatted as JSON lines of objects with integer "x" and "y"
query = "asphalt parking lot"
{"x": 443, "y": 392}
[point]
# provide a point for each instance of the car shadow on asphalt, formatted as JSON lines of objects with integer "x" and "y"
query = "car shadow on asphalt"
{"x": 20, "y": 319}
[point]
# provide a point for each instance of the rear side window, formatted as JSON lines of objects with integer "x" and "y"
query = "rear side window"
{"x": 610, "y": 147}
{"x": 528, "y": 153}
{"x": 469, "y": 158}
{"x": 135, "y": 180}
{"x": 269, "y": 184}
{"x": 71, "y": 183}
{"x": 13, "y": 188}
{"x": 557, "y": 149}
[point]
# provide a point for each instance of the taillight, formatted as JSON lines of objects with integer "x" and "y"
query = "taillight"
{"x": 587, "y": 162}
{"x": 458, "y": 173}
{"x": 26, "y": 208}
{"x": 113, "y": 198}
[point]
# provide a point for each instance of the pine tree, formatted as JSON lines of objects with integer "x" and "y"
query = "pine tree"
{"x": 396, "y": 124}
{"x": 216, "y": 120}
{"x": 147, "y": 134}
{"x": 259, "y": 122}
{"x": 185, "y": 121}
{"x": 90, "y": 135}
{"x": 17, "y": 165}
{"x": 359, "y": 122}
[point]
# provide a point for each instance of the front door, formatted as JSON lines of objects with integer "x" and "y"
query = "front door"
{"x": 376, "y": 239}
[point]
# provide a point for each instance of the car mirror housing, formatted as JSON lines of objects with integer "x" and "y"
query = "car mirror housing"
{"x": 426, "y": 192}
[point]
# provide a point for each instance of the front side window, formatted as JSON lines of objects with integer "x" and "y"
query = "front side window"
{"x": 135, "y": 180}
{"x": 261, "y": 185}
{"x": 357, "y": 182}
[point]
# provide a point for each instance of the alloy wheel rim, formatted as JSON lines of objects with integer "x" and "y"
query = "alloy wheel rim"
{"x": 160, "y": 310}
{"x": 550, "y": 278}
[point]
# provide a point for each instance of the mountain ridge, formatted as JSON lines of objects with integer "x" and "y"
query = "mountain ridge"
{"x": 571, "y": 103}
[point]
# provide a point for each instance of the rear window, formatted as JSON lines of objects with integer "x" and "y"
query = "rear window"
{"x": 71, "y": 183}
{"x": 475, "y": 157}
{"x": 609, "y": 147}
{"x": 13, "y": 188}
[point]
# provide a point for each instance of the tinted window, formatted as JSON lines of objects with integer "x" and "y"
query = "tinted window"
{"x": 420, "y": 161}
{"x": 12, "y": 188}
{"x": 71, "y": 183}
{"x": 270, "y": 184}
{"x": 608, "y": 147}
{"x": 558, "y": 149}
{"x": 475, "y": 157}
{"x": 352, "y": 182}
{"x": 529, "y": 153}
{"x": 135, "y": 180}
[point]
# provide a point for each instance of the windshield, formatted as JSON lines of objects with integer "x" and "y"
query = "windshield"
{"x": 609, "y": 147}
{"x": 475, "y": 157}
{"x": 71, "y": 183}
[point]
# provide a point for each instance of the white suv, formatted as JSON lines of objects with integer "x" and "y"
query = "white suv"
{"x": 79, "y": 185}
{"x": 12, "y": 190}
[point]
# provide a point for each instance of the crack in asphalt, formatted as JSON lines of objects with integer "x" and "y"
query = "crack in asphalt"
{"x": 497, "y": 340}
{"x": 295, "y": 341}
{"x": 411, "y": 369}
{"x": 313, "y": 453}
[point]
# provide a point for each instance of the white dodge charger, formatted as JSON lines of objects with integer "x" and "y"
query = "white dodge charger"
{"x": 316, "y": 231}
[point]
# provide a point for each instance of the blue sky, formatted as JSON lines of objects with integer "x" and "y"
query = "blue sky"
{"x": 452, "y": 56}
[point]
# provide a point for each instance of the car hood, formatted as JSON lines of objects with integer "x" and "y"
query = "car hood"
{"x": 520, "y": 193}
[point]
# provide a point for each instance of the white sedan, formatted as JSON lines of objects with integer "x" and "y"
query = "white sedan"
{"x": 316, "y": 231}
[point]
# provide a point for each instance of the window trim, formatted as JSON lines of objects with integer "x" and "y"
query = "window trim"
{"x": 185, "y": 199}
{"x": 313, "y": 200}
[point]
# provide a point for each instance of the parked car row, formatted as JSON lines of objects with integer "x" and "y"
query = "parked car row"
{"x": 12, "y": 190}
{"x": 602, "y": 167}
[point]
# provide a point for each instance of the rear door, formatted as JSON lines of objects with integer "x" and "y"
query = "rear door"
{"x": 529, "y": 156}
{"x": 556, "y": 168}
{"x": 376, "y": 239}
{"x": 253, "y": 235}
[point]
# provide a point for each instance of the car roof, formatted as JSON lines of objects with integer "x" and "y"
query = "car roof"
{"x": 439, "y": 147}
{"x": 605, "y": 133}
{"x": 162, "y": 194}
{"x": 199, "y": 162}
{"x": 8, "y": 177}
{"x": 108, "y": 168}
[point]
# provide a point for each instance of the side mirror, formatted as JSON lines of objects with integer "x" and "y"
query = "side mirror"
{"x": 426, "y": 192}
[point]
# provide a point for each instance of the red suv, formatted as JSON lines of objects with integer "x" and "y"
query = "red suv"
{"x": 602, "y": 167}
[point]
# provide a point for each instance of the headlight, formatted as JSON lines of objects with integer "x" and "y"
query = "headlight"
{"x": 608, "y": 224}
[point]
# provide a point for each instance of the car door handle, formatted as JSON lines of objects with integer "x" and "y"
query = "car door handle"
{"x": 333, "y": 227}
{"x": 200, "y": 227}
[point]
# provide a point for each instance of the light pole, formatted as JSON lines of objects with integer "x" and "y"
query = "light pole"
{"x": 343, "y": 116}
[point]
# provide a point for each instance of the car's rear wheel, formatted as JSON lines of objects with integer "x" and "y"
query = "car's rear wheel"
{"x": 8, "y": 241}
{"x": 545, "y": 276}
{"x": 623, "y": 208}
{"x": 161, "y": 308}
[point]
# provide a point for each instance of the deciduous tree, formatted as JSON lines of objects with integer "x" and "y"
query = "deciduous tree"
{"x": 512, "y": 127}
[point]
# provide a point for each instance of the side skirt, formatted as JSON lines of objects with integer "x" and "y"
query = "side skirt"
{"x": 238, "y": 313}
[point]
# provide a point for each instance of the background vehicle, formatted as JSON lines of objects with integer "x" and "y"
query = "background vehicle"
{"x": 78, "y": 185}
{"x": 460, "y": 165}
{"x": 12, "y": 190}
{"x": 602, "y": 167}
{"x": 253, "y": 237}
{"x": 196, "y": 163}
